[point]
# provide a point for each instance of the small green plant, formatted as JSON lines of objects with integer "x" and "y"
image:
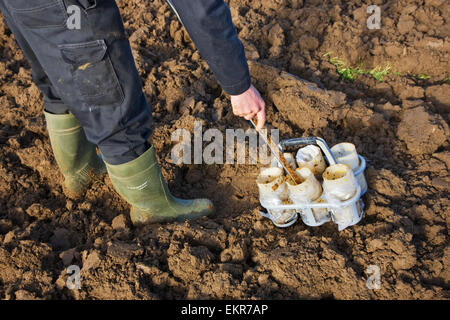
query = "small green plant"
{"x": 350, "y": 73}
{"x": 447, "y": 80}
{"x": 346, "y": 72}
{"x": 422, "y": 76}
{"x": 378, "y": 73}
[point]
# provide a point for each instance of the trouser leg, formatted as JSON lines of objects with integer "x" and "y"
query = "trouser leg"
{"x": 52, "y": 102}
{"x": 91, "y": 69}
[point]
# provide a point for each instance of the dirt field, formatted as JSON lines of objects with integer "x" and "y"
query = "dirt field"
{"x": 399, "y": 125}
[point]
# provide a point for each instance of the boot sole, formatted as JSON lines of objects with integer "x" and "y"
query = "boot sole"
{"x": 158, "y": 219}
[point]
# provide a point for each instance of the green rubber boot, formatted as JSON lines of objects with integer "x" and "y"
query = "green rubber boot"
{"x": 141, "y": 183}
{"x": 76, "y": 157}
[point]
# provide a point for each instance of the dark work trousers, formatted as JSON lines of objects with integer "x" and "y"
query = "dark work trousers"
{"x": 89, "y": 72}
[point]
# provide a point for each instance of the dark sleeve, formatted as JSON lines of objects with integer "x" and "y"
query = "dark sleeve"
{"x": 209, "y": 25}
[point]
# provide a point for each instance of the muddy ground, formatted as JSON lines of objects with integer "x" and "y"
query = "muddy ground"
{"x": 399, "y": 125}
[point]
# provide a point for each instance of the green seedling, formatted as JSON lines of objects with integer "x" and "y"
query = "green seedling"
{"x": 346, "y": 72}
{"x": 447, "y": 80}
{"x": 350, "y": 73}
{"x": 422, "y": 76}
{"x": 378, "y": 73}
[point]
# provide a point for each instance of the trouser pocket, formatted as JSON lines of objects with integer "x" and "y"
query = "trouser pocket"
{"x": 93, "y": 73}
{"x": 38, "y": 13}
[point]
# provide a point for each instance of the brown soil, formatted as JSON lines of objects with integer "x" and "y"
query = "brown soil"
{"x": 399, "y": 125}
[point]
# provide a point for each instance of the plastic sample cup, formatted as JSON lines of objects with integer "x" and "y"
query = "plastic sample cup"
{"x": 345, "y": 153}
{"x": 271, "y": 185}
{"x": 348, "y": 215}
{"x": 283, "y": 218}
{"x": 273, "y": 191}
{"x": 311, "y": 157}
{"x": 307, "y": 191}
{"x": 315, "y": 216}
{"x": 289, "y": 158}
{"x": 321, "y": 215}
{"x": 339, "y": 182}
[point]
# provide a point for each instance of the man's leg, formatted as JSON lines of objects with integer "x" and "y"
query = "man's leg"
{"x": 93, "y": 71}
{"x": 52, "y": 102}
{"x": 76, "y": 157}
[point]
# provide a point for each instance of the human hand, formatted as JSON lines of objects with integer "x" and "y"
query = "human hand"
{"x": 248, "y": 105}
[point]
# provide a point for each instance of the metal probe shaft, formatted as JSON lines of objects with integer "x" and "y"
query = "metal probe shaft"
{"x": 277, "y": 154}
